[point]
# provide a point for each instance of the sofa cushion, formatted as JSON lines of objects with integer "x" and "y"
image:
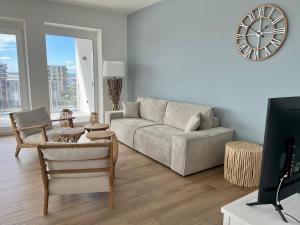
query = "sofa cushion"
{"x": 178, "y": 115}
{"x": 152, "y": 109}
{"x": 131, "y": 109}
{"x": 38, "y": 138}
{"x": 35, "y": 117}
{"x": 125, "y": 128}
{"x": 156, "y": 142}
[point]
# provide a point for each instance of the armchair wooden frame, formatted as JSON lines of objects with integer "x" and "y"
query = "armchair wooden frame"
{"x": 56, "y": 147}
{"x": 17, "y": 132}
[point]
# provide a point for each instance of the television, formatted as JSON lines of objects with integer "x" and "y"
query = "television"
{"x": 280, "y": 171}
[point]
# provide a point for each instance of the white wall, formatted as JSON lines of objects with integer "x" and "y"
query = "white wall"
{"x": 85, "y": 72}
{"x": 185, "y": 50}
{"x": 36, "y": 12}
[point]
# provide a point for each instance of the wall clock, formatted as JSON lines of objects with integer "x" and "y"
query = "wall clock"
{"x": 262, "y": 32}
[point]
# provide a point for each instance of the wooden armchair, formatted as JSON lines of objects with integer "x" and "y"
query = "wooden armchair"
{"x": 76, "y": 168}
{"x": 33, "y": 127}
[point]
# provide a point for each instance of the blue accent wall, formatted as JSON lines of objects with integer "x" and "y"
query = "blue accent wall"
{"x": 185, "y": 50}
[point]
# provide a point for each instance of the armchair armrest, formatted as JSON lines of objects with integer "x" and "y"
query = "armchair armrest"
{"x": 56, "y": 120}
{"x": 41, "y": 126}
{"x": 70, "y": 121}
{"x": 31, "y": 127}
{"x": 111, "y": 115}
{"x": 199, "y": 150}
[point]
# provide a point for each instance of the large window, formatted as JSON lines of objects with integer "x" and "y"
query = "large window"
{"x": 70, "y": 74}
{"x": 10, "y": 82}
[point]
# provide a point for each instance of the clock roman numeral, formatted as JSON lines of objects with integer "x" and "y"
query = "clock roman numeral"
{"x": 279, "y": 30}
{"x": 267, "y": 52}
{"x": 251, "y": 17}
{"x": 240, "y": 36}
{"x": 275, "y": 42}
{"x": 256, "y": 54}
{"x": 271, "y": 12}
{"x": 242, "y": 45}
{"x": 243, "y": 25}
{"x": 248, "y": 52}
{"x": 279, "y": 18}
{"x": 261, "y": 11}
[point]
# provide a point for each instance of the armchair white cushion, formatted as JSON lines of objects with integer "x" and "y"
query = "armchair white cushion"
{"x": 76, "y": 168}
{"x": 34, "y": 117}
{"x": 61, "y": 186}
{"x": 67, "y": 160}
{"x": 38, "y": 137}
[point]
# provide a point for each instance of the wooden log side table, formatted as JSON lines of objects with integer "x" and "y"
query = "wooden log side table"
{"x": 107, "y": 134}
{"x": 242, "y": 163}
{"x": 95, "y": 127}
{"x": 68, "y": 135}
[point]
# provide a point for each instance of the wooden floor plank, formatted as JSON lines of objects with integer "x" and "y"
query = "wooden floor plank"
{"x": 146, "y": 192}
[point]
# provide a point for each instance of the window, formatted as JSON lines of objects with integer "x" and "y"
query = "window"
{"x": 12, "y": 84}
{"x": 70, "y": 74}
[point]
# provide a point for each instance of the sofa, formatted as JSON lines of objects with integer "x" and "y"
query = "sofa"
{"x": 158, "y": 133}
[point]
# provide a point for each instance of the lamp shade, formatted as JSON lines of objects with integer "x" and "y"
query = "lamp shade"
{"x": 114, "y": 69}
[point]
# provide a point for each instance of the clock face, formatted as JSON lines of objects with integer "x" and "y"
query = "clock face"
{"x": 262, "y": 32}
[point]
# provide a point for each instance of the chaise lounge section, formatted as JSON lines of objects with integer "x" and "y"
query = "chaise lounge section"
{"x": 159, "y": 134}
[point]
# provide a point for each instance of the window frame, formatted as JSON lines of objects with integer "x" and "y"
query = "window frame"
{"x": 15, "y": 28}
{"x": 80, "y": 33}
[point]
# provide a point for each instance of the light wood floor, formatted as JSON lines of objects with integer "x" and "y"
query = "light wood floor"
{"x": 147, "y": 193}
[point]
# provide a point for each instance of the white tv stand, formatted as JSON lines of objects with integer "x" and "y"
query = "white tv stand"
{"x": 238, "y": 213}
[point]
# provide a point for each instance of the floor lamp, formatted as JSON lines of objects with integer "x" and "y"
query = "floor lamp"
{"x": 114, "y": 71}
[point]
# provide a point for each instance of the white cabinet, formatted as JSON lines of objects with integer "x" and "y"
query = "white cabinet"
{"x": 238, "y": 213}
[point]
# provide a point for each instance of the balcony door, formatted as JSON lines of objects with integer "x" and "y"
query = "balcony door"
{"x": 70, "y": 74}
{"x": 13, "y": 82}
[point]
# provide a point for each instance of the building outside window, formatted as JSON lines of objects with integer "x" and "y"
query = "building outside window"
{"x": 62, "y": 88}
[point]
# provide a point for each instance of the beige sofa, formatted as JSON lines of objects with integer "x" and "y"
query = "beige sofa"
{"x": 159, "y": 134}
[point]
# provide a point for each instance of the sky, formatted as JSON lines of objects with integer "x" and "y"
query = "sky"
{"x": 60, "y": 51}
{"x": 8, "y": 52}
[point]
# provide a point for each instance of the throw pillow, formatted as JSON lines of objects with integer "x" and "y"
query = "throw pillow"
{"x": 193, "y": 123}
{"x": 131, "y": 109}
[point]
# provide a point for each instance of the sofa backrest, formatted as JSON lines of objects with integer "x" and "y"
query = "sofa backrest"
{"x": 178, "y": 114}
{"x": 152, "y": 109}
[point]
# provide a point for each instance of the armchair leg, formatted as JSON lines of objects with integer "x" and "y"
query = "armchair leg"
{"x": 46, "y": 199}
{"x": 18, "y": 148}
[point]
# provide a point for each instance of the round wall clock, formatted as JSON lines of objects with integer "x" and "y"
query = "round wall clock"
{"x": 262, "y": 32}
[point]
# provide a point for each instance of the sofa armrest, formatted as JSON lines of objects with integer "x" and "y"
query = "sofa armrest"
{"x": 111, "y": 115}
{"x": 199, "y": 150}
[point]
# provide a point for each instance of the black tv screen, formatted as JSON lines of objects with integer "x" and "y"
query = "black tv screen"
{"x": 281, "y": 150}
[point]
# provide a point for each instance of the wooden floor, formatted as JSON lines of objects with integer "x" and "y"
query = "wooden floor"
{"x": 147, "y": 193}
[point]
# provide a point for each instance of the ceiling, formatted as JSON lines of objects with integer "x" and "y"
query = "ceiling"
{"x": 120, "y": 6}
